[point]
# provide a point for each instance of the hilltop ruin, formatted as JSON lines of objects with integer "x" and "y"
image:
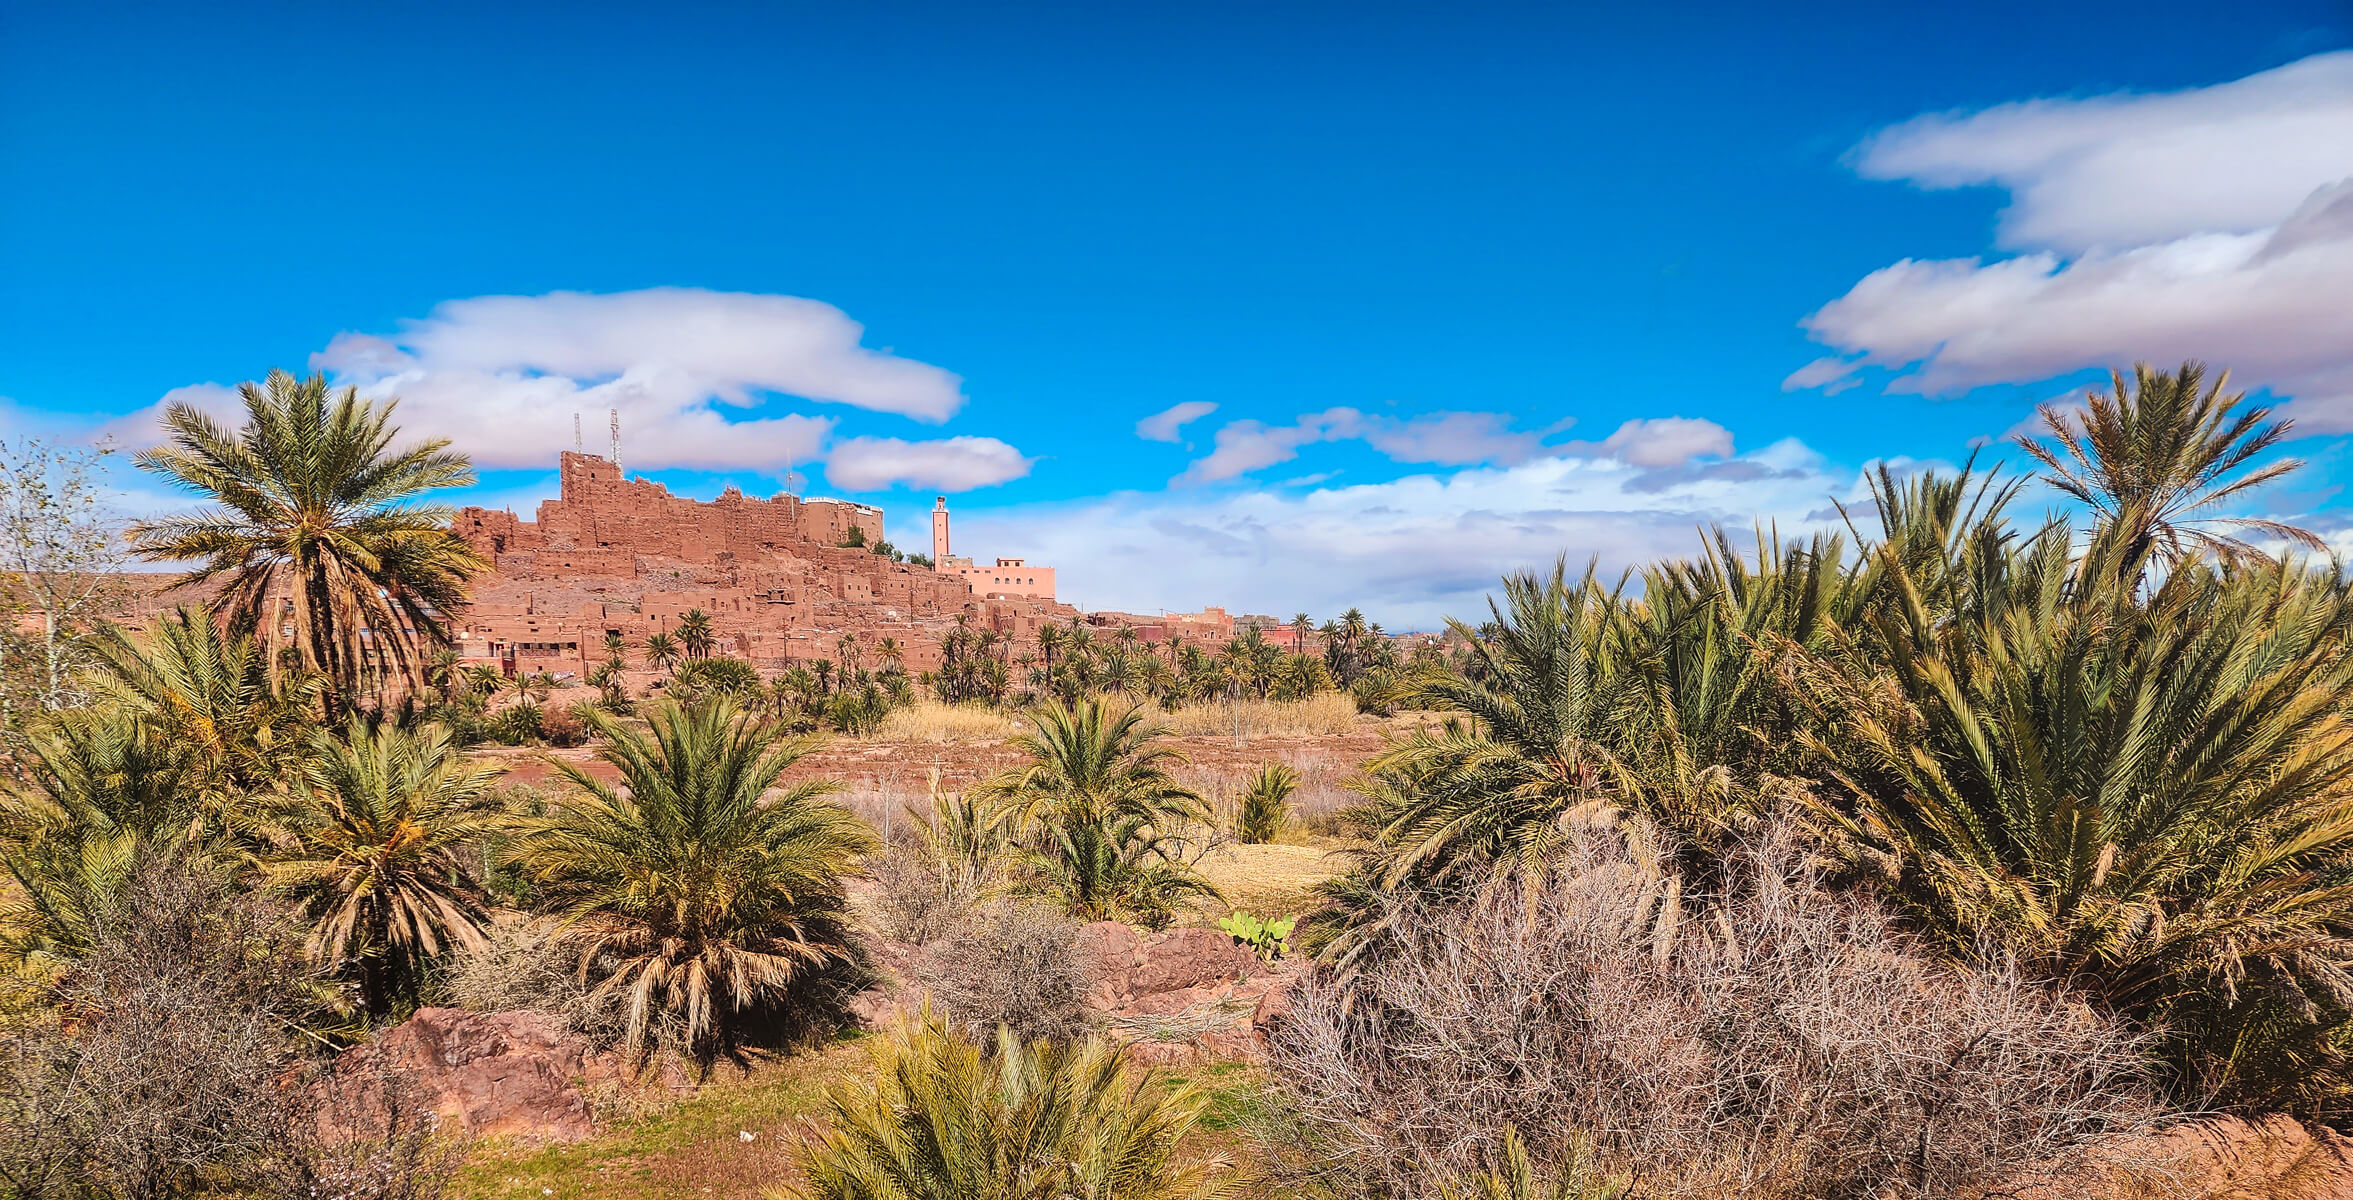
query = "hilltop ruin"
{"x": 778, "y": 577}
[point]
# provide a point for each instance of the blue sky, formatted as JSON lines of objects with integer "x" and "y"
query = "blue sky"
{"x": 1469, "y": 286}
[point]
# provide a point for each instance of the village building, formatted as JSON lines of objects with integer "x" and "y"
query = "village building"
{"x": 782, "y": 579}
{"x": 1009, "y": 577}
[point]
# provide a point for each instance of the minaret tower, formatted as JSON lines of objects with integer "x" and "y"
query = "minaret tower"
{"x": 939, "y": 534}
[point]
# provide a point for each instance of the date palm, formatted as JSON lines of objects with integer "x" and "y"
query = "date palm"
{"x": 1106, "y": 817}
{"x": 315, "y": 533}
{"x": 1265, "y": 804}
{"x": 373, "y": 851}
{"x": 695, "y": 634}
{"x": 2154, "y": 461}
{"x": 210, "y": 699}
{"x": 661, "y": 651}
{"x": 1535, "y": 754}
{"x": 707, "y": 897}
{"x": 94, "y": 793}
{"x": 2144, "y": 795}
{"x": 941, "y": 1120}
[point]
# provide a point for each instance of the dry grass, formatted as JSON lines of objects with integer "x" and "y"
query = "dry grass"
{"x": 1327, "y": 713}
{"x": 932, "y": 721}
{"x": 1268, "y": 881}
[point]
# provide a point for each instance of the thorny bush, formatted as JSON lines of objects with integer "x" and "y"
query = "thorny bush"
{"x": 1775, "y": 1040}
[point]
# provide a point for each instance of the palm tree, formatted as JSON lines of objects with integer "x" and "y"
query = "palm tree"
{"x": 2154, "y": 462}
{"x": 314, "y": 533}
{"x": 661, "y": 651}
{"x": 891, "y": 654}
{"x": 1535, "y": 753}
{"x": 704, "y": 907}
{"x": 847, "y": 647}
{"x": 616, "y": 646}
{"x": 485, "y": 681}
{"x": 444, "y": 673}
{"x": 1344, "y": 646}
{"x": 940, "y": 1120}
{"x": 2142, "y": 795}
{"x": 96, "y": 792}
{"x": 1265, "y": 804}
{"x": 374, "y": 850}
{"x": 211, "y": 700}
{"x": 695, "y": 634}
{"x": 1049, "y": 640}
{"x": 1106, "y": 816}
{"x": 1253, "y": 660}
{"x": 1299, "y": 625}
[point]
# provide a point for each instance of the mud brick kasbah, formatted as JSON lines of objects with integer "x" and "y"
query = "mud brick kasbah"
{"x": 618, "y": 555}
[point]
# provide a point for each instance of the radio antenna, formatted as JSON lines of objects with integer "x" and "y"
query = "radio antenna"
{"x": 616, "y": 413}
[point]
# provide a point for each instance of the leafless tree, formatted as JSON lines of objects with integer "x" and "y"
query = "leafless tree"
{"x": 61, "y": 553}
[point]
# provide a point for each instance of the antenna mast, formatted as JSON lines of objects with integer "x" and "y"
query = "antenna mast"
{"x": 576, "y": 446}
{"x": 616, "y": 413}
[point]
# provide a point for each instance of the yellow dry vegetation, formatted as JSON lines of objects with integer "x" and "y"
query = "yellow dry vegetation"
{"x": 932, "y": 721}
{"x": 1324, "y": 714}
{"x": 1267, "y": 881}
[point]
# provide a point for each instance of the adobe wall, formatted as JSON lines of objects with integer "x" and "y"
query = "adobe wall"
{"x": 618, "y": 555}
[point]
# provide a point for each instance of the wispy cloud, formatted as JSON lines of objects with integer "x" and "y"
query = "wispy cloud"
{"x": 1438, "y": 438}
{"x": 1162, "y": 426}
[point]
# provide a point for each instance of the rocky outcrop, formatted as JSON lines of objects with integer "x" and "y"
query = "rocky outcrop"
{"x": 505, "y": 1074}
{"x": 1124, "y": 965}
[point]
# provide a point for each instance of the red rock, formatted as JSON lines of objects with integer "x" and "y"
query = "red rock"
{"x": 507, "y": 1074}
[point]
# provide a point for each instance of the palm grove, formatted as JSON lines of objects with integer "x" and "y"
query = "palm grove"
{"x": 2108, "y": 762}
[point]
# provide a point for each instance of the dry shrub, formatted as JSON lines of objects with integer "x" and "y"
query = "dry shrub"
{"x": 174, "y": 1069}
{"x": 365, "y": 1137}
{"x": 1013, "y": 964}
{"x": 915, "y": 899}
{"x": 526, "y": 963}
{"x": 1778, "y": 1040}
{"x": 563, "y": 728}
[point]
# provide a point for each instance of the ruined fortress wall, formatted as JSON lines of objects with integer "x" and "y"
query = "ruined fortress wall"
{"x": 618, "y": 555}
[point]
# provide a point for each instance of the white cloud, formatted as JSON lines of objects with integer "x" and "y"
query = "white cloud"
{"x": 504, "y": 376}
{"x": 1409, "y": 551}
{"x": 2215, "y": 223}
{"x": 2131, "y": 169}
{"x": 1666, "y": 441}
{"x": 1453, "y": 439}
{"x": 954, "y": 464}
{"x": 1245, "y": 446}
{"x": 1162, "y": 426}
{"x": 1443, "y": 438}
